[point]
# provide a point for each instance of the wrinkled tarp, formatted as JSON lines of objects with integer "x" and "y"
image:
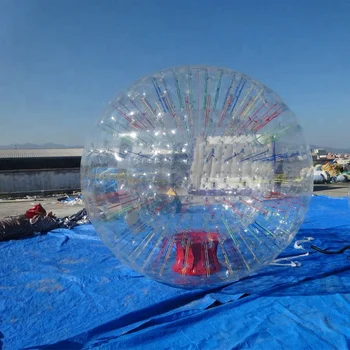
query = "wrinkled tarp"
{"x": 66, "y": 290}
{"x": 17, "y": 227}
{"x": 78, "y": 200}
{"x": 20, "y": 226}
{"x": 79, "y": 218}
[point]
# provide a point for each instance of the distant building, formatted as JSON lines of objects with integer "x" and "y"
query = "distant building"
{"x": 26, "y": 171}
{"x": 319, "y": 153}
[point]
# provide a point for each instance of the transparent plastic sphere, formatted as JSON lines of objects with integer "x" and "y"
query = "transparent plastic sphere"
{"x": 197, "y": 176}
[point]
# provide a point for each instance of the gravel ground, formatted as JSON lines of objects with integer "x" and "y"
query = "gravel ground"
{"x": 332, "y": 190}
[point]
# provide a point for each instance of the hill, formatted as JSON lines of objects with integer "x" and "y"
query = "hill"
{"x": 331, "y": 149}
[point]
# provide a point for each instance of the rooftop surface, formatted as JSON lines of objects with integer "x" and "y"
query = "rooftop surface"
{"x": 40, "y": 153}
{"x": 10, "y": 207}
{"x": 19, "y": 206}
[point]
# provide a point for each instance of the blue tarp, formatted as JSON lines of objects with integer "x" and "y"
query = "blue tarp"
{"x": 65, "y": 290}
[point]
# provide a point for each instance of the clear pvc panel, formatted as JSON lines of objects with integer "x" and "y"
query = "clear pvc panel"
{"x": 197, "y": 176}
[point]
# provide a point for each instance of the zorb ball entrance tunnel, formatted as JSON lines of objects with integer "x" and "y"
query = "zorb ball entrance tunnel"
{"x": 197, "y": 176}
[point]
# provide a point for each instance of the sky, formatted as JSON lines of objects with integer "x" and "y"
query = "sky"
{"x": 61, "y": 62}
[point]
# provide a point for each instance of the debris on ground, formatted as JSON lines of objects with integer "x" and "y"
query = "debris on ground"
{"x": 332, "y": 172}
{"x": 71, "y": 200}
{"x": 36, "y": 220}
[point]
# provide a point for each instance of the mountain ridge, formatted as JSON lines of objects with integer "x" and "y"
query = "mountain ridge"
{"x": 331, "y": 149}
{"x": 51, "y": 145}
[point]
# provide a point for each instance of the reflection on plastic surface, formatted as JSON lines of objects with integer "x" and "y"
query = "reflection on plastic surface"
{"x": 197, "y": 176}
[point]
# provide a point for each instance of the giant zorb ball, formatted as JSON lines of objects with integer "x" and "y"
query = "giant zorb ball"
{"x": 197, "y": 176}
